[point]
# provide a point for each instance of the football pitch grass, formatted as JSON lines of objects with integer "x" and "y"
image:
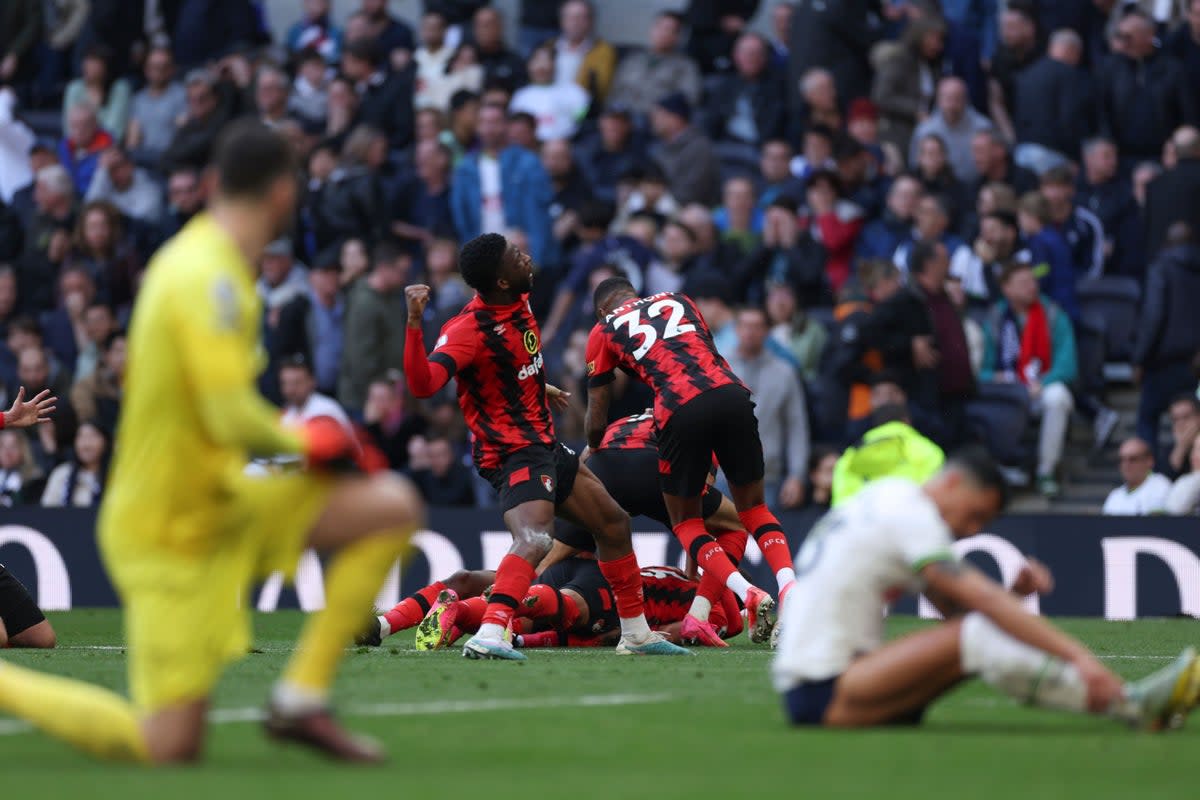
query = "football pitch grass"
{"x": 581, "y": 724}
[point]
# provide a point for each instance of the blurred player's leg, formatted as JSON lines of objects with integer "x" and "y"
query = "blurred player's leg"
{"x": 368, "y": 522}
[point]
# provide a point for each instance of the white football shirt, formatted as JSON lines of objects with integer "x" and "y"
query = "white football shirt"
{"x": 858, "y": 558}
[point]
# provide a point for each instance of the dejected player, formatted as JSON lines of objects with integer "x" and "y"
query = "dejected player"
{"x": 894, "y": 537}
{"x": 702, "y": 410}
{"x": 184, "y": 532}
{"x": 493, "y": 350}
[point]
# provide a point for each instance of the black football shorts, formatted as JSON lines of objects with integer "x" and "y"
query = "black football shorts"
{"x": 719, "y": 422}
{"x": 17, "y": 607}
{"x": 536, "y": 472}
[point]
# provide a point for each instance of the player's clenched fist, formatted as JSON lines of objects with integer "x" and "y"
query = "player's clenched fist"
{"x": 418, "y": 297}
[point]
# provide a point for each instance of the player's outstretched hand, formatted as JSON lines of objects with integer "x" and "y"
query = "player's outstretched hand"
{"x": 1034, "y": 578}
{"x": 329, "y": 446}
{"x": 559, "y": 400}
{"x": 417, "y": 296}
{"x": 1103, "y": 687}
{"x": 27, "y": 413}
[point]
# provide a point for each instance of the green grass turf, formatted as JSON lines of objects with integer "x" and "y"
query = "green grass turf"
{"x": 713, "y": 730}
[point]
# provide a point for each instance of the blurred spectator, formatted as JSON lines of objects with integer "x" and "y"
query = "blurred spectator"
{"x": 1029, "y": 340}
{"x": 780, "y": 409}
{"x": 920, "y": 335}
{"x": 312, "y": 323}
{"x": 712, "y": 255}
{"x": 994, "y": 164}
{"x": 1184, "y": 413}
{"x": 35, "y": 371}
{"x": 79, "y": 150}
{"x": 1019, "y": 48}
{"x": 100, "y": 247}
{"x": 818, "y": 94}
{"x": 421, "y": 207}
{"x": 802, "y": 336}
{"x": 1175, "y": 195}
{"x": 499, "y": 188}
{"x": 271, "y": 91}
{"x": 937, "y": 177}
{"x": 432, "y": 57}
{"x": 891, "y": 448}
{"x": 834, "y": 36}
{"x": 315, "y": 31}
{"x": 446, "y": 481}
{"x": 63, "y": 23}
{"x": 737, "y": 220}
{"x": 882, "y": 235}
{"x": 500, "y": 64}
{"x": 834, "y": 223}
{"x": 185, "y": 197}
{"x": 1107, "y": 195}
{"x": 862, "y": 184}
{"x": 100, "y": 88}
{"x": 98, "y": 323}
{"x": 781, "y": 33}
{"x": 581, "y": 57}
{"x": 677, "y": 251}
{"x": 393, "y": 36}
{"x": 539, "y": 22}
{"x": 9, "y": 299}
{"x": 352, "y": 202}
{"x": 391, "y": 421}
{"x": 301, "y": 400}
{"x": 521, "y": 131}
{"x": 905, "y": 76}
{"x": 1184, "y": 497}
{"x": 998, "y": 244}
{"x": 643, "y": 76}
{"x": 1054, "y": 105}
{"x": 385, "y": 99}
{"x": 98, "y": 395}
{"x": 450, "y": 291}
{"x": 1080, "y": 228}
{"x": 955, "y": 123}
{"x": 196, "y": 134}
{"x": 20, "y": 31}
{"x": 20, "y": 478}
{"x": 1143, "y": 92}
{"x": 746, "y": 106}
{"x": 79, "y": 482}
{"x": 557, "y": 107}
{"x": 816, "y": 152}
{"x": 309, "y": 98}
{"x": 47, "y": 240}
{"x": 613, "y": 152}
{"x": 1144, "y": 491}
{"x": 1168, "y": 333}
{"x": 63, "y": 327}
{"x": 685, "y": 153}
{"x": 715, "y": 25}
{"x": 643, "y": 192}
{"x": 375, "y": 319}
{"x": 1183, "y": 43}
{"x": 820, "y": 476}
{"x": 1049, "y": 252}
{"x": 933, "y": 225}
{"x": 788, "y": 255}
{"x": 854, "y": 361}
{"x": 571, "y": 190}
{"x": 130, "y": 189}
{"x": 156, "y": 109}
{"x": 17, "y": 143}
{"x": 774, "y": 167}
{"x": 341, "y": 110}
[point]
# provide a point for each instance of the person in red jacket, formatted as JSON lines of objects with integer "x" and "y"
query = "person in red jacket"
{"x": 834, "y": 222}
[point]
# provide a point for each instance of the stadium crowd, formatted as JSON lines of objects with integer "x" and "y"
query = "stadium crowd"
{"x": 893, "y": 215}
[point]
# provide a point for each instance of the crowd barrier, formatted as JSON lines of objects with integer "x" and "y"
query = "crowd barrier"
{"x": 1111, "y": 567}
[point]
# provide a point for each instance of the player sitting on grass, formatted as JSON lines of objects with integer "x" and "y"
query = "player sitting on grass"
{"x": 570, "y": 604}
{"x": 833, "y": 668}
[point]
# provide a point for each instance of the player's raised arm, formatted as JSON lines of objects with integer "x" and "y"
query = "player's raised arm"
{"x": 26, "y": 413}
{"x": 428, "y": 373}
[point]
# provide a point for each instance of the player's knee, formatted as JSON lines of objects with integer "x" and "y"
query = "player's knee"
{"x": 3, "y": 635}
{"x": 615, "y": 529}
{"x": 405, "y": 506}
{"x": 532, "y": 543}
{"x": 461, "y": 582}
{"x": 39, "y": 637}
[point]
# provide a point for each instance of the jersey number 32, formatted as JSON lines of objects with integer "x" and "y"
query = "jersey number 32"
{"x": 650, "y": 333}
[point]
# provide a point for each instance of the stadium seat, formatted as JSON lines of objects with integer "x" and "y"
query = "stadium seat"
{"x": 999, "y": 414}
{"x": 1090, "y": 347}
{"x": 1114, "y": 299}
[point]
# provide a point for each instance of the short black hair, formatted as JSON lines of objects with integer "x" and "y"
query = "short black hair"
{"x": 297, "y": 361}
{"x": 364, "y": 48}
{"x": 609, "y": 287}
{"x": 922, "y": 252}
{"x": 479, "y": 260}
{"x": 1187, "y": 397}
{"x": 250, "y": 157}
{"x": 978, "y": 463}
{"x": 114, "y": 337}
{"x": 596, "y": 214}
{"x": 1011, "y": 268}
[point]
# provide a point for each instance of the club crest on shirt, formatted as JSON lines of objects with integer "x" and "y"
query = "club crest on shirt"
{"x": 531, "y": 342}
{"x": 591, "y": 368}
{"x": 548, "y": 482}
{"x": 226, "y": 304}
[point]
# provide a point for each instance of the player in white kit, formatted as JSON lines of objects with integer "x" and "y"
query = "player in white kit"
{"x": 833, "y": 668}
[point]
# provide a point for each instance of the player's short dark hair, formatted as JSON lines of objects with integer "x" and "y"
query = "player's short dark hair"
{"x": 979, "y": 465}
{"x": 250, "y": 157}
{"x": 479, "y": 260}
{"x": 610, "y": 287}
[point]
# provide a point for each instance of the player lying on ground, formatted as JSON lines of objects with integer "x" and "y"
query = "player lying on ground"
{"x": 895, "y": 536}
{"x": 701, "y": 409}
{"x": 184, "y": 533}
{"x": 22, "y": 623}
{"x": 570, "y": 604}
{"x": 493, "y": 350}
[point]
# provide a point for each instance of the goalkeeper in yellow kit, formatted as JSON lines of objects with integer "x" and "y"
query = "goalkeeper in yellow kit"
{"x": 184, "y": 533}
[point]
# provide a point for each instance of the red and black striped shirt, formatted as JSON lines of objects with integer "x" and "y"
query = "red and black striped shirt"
{"x": 495, "y": 354}
{"x": 664, "y": 340}
{"x": 635, "y": 432}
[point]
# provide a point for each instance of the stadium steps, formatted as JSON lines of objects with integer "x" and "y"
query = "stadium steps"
{"x": 1089, "y": 476}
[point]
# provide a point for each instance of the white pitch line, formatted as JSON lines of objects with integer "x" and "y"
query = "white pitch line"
{"x": 227, "y": 716}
